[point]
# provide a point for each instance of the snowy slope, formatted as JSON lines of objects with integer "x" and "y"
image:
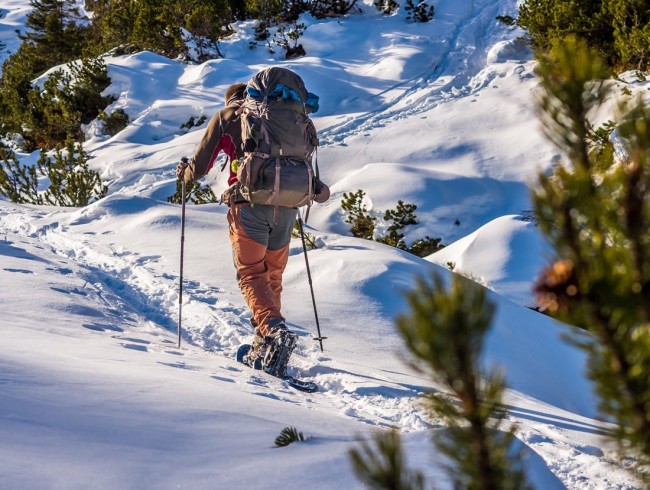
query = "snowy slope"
{"x": 94, "y": 390}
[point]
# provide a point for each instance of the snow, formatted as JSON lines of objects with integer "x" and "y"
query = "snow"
{"x": 95, "y": 393}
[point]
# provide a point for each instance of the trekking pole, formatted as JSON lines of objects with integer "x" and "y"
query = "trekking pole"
{"x": 320, "y": 338}
{"x": 184, "y": 162}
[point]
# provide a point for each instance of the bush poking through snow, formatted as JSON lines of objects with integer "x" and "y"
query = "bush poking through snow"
{"x": 287, "y": 37}
{"x": 507, "y": 20}
{"x": 191, "y": 122}
{"x": 330, "y": 8}
{"x": 618, "y": 29}
{"x": 194, "y": 193}
{"x": 387, "y": 7}
{"x": 402, "y": 216}
{"x": 425, "y": 246}
{"x": 289, "y": 435}
{"x": 71, "y": 182}
{"x": 114, "y": 122}
{"x": 48, "y": 116}
{"x": 363, "y": 225}
{"x": 18, "y": 183}
{"x": 310, "y": 240}
{"x": 422, "y": 12}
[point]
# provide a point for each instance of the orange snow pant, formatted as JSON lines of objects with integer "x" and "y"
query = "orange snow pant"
{"x": 260, "y": 246}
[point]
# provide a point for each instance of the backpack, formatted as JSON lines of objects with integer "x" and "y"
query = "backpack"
{"x": 279, "y": 142}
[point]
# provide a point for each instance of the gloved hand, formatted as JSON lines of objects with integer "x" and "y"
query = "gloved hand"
{"x": 180, "y": 168}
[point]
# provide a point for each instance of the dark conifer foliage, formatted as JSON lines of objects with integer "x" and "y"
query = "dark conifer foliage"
{"x": 598, "y": 220}
{"x": 55, "y": 34}
{"x": 69, "y": 180}
{"x": 618, "y": 30}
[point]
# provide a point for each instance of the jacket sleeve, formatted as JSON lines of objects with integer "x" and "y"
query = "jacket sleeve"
{"x": 207, "y": 151}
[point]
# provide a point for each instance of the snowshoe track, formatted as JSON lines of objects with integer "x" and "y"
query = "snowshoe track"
{"x": 139, "y": 298}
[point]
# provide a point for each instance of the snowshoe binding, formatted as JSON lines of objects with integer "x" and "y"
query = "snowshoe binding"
{"x": 271, "y": 354}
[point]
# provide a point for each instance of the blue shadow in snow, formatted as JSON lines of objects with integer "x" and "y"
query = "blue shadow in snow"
{"x": 7, "y": 248}
{"x": 99, "y": 327}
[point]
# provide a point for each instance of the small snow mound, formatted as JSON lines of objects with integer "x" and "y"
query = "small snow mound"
{"x": 214, "y": 73}
{"x": 507, "y": 253}
{"x": 511, "y": 50}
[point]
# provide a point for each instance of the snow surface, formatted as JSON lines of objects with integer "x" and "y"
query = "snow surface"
{"x": 94, "y": 392}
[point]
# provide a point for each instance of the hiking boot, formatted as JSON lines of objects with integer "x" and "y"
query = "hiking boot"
{"x": 278, "y": 346}
{"x": 254, "y": 356}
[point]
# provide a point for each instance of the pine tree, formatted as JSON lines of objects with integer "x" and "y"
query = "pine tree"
{"x": 363, "y": 224}
{"x": 68, "y": 99}
{"x": 128, "y": 25}
{"x": 330, "y": 8}
{"x": 598, "y": 221}
{"x": 69, "y": 180}
{"x": 422, "y": 12}
{"x": 205, "y": 23}
{"x": 382, "y": 465}
{"x": 194, "y": 193}
{"x": 72, "y": 183}
{"x": 631, "y": 24}
{"x": 15, "y": 85}
{"x": 155, "y": 28}
{"x": 444, "y": 331}
{"x": 265, "y": 10}
{"x": 55, "y": 33}
{"x": 400, "y": 217}
{"x": 112, "y": 26}
{"x": 18, "y": 183}
{"x": 619, "y": 30}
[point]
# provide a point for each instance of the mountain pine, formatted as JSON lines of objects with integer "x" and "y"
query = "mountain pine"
{"x": 598, "y": 221}
{"x": 618, "y": 30}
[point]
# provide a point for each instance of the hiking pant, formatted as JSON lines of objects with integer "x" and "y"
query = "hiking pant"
{"x": 260, "y": 246}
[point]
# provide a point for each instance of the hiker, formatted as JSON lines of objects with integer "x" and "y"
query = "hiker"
{"x": 260, "y": 223}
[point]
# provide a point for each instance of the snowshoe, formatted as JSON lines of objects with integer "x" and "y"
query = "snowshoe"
{"x": 277, "y": 359}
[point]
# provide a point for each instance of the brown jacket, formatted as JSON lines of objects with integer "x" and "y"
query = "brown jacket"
{"x": 222, "y": 134}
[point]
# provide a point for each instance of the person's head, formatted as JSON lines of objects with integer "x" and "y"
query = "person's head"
{"x": 235, "y": 92}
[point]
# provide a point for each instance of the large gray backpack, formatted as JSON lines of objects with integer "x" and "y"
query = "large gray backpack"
{"x": 279, "y": 141}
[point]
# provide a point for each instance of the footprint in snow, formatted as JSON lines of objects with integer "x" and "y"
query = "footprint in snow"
{"x": 69, "y": 291}
{"x": 179, "y": 365}
{"x": 102, "y": 328}
{"x": 147, "y": 259}
{"x": 591, "y": 451}
{"x": 61, "y": 270}
{"x": 174, "y": 352}
{"x": 138, "y": 347}
{"x": 135, "y": 341}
